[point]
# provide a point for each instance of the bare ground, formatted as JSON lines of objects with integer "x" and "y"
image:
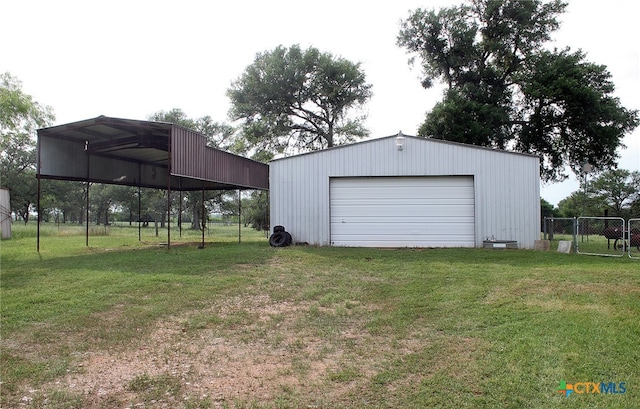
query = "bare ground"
{"x": 225, "y": 361}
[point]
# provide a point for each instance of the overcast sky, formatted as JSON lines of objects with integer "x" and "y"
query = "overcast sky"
{"x": 130, "y": 59}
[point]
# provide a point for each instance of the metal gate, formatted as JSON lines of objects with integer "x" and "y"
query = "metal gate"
{"x": 601, "y": 236}
{"x": 633, "y": 236}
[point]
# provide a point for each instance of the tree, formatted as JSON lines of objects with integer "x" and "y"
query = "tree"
{"x": 618, "y": 190}
{"x": 20, "y": 117}
{"x": 579, "y": 204}
{"x": 220, "y": 136}
{"x": 256, "y": 210}
{"x": 503, "y": 90}
{"x": 65, "y": 199}
{"x": 548, "y": 210}
{"x": 299, "y": 99}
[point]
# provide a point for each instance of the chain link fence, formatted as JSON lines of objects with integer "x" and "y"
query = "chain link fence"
{"x": 634, "y": 238}
{"x": 601, "y": 236}
{"x": 556, "y": 229}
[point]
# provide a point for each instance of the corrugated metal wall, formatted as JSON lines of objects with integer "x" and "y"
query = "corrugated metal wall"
{"x": 507, "y": 185}
{"x": 191, "y": 157}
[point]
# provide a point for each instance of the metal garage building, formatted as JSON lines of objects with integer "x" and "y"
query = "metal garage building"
{"x": 407, "y": 192}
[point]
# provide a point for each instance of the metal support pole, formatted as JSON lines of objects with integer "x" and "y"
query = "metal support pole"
{"x": 139, "y": 214}
{"x": 139, "y": 204}
{"x": 203, "y": 221}
{"x": 86, "y": 148}
{"x": 169, "y": 216}
{"x": 239, "y": 215}
{"x": 169, "y": 193}
{"x": 180, "y": 208}
{"x": 38, "y": 175}
{"x": 38, "y": 228}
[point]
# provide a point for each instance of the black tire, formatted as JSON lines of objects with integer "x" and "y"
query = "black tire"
{"x": 277, "y": 229}
{"x": 278, "y": 239}
{"x": 288, "y": 238}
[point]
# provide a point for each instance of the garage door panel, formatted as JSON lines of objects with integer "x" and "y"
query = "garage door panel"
{"x": 409, "y": 193}
{"x": 407, "y": 241}
{"x": 416, "y": 211}
{"x": 400, "y": 202}
{"x": 403, "y": 212}
{"x": 425, "y": 228}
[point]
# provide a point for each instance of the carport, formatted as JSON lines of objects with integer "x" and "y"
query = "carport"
{"x": 142, "y": 154}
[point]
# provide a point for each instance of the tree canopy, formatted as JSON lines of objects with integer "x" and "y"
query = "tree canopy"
{"x": 619, "y": 191}
{"x": 219, "y": 135}
{"x": 505, "y": 90}
{"x": 290, "y": 98}
{"x": 20, "y": 117}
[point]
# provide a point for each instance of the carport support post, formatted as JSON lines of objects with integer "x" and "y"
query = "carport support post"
{"x": 179, "y": 220}
{"x": 38, "y": 202}
{"x": 203, "y": 221}
{"x": 139, "y": 203}
{"x": 169, "y": 195}
{"x": 239, "y": 214}
{"x": 86, "y": 149}
{"x": 169, "y": 211}
{"x": 139, "y": 215}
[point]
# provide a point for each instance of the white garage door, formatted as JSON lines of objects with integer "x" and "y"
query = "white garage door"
{"x": 429, "y": 211}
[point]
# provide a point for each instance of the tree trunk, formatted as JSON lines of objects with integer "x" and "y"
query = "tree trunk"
{"x": 195, "y": 220}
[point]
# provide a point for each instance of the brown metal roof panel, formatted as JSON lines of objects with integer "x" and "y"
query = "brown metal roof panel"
{"x": 123, "y": 151}
{"x": 192, "y": 158}
{"x": 187, "y": 149}
{"x": 228, "y": 168}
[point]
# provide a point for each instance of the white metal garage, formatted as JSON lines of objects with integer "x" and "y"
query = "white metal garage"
{"x": 426, "y": 211}
{"x": 425, "y": 193}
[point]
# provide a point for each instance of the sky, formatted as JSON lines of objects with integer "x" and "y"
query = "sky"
{"x": 130, "y": 59}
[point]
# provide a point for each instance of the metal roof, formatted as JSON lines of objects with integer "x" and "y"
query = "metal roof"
{"x": 420, "y": 139}
{"x": 142, "y": 153}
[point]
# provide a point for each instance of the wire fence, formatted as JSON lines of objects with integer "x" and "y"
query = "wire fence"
{"x": 558, "y": 229}
{"x": 633, "y": 230}
{"x": 601, "y": 236}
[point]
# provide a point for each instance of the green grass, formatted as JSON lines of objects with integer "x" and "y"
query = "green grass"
{"x": 249, "y": 326}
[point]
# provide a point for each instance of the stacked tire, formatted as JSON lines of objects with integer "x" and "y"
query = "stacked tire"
{"x": 280, "y": 237}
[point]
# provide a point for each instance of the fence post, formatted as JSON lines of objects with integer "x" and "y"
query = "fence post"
{"x": 575, "y": 234}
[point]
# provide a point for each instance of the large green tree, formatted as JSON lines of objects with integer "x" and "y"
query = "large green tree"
{"x": 618, "y": 191}
{"x": 20, "y": 117}
{"x": 615, "y": 192}
{"x": 503, "y": 89}
{"x": 218, "y": 135}
{"x": 302, "y": 100}
{"x": 256, "y": 210}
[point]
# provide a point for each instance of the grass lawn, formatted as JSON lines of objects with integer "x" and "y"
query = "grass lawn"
{"x": 127, "y": 323}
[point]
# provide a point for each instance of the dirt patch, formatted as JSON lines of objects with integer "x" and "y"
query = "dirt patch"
{"x": 219, "y": 363}
{"x": 249, "y": 350}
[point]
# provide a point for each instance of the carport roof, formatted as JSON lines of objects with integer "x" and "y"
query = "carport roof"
{"x": 142, "y": 153}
